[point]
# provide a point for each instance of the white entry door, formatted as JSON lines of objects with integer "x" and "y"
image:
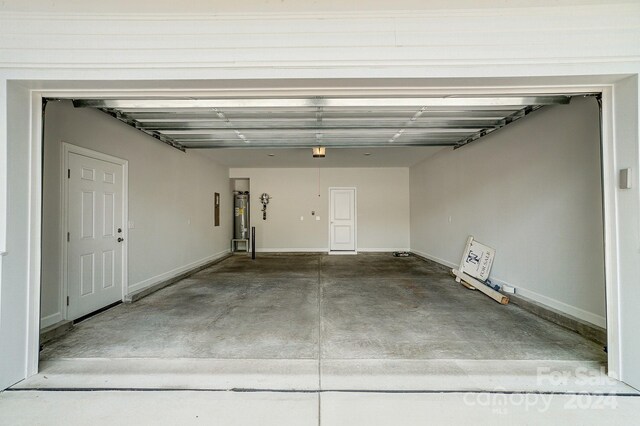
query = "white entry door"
{"x": 95, "y": 225}
{"x": 342, "y": 219}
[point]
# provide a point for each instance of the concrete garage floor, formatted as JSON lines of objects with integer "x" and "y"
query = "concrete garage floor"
{"x": 369, "y": 306}
{"x": 323, "y": 334}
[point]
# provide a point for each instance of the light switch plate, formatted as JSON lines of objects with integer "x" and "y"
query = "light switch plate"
{"x": 131, "y": 224}
{"x": 317, "y": 217}
{"x": 625, "y": 179}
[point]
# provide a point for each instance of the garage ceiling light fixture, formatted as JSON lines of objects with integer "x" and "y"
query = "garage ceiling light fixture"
{"x": 318, "y": 151}
{"x": 339, "y": 122}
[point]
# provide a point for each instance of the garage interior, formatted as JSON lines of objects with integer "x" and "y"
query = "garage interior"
{"x": 521, "y": 174}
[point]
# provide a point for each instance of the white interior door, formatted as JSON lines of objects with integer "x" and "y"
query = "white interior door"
{"x": 342, "y": 219}
{"x": 95, "y": 234}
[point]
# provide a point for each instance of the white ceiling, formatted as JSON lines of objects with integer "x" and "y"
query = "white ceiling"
{"x": 335, "y": 157}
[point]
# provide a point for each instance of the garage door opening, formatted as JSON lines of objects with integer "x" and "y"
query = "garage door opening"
{"x": 428, "y": 172}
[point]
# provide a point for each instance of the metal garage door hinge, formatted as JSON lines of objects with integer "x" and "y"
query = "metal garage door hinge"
{"x": 67, "y": 300}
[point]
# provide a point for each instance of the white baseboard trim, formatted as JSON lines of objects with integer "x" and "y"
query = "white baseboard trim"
{"x": 325, "y": 250}
{"x": 50, "y": 320}
{"x": 291, "y": 250}
{"x": 174, "y": 272}
{"x": 549, "y": 302}
{"x": 436, "y": 259}
{"x": 382, "y": 250}
{"x": 541, "y": 299}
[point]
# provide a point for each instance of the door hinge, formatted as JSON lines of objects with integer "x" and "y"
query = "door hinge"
{"x": 68, "y": 173}
{"x": 67, "y": 300}
{"x": 68, "y": 236}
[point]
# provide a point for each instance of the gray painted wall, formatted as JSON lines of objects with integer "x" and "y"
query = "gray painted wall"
{"x": 382, "y": 206}
{"x": 170, "y": 201}
{"x": 533, "y": 192}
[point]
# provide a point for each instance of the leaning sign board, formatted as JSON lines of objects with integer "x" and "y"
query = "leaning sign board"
{"x": 475, "y": 267}
{"x": 477, "y": 259}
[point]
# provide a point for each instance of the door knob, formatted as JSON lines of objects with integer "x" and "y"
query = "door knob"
{"x": 120, "y": 239}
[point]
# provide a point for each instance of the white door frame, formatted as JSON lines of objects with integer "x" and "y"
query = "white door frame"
{"x": 68, "y": 148}
{"x": 355, "y": 220}
{"x": 610, "y": 203}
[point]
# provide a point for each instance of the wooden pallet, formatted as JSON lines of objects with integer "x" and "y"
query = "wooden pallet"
{"x": 473, "y": 284}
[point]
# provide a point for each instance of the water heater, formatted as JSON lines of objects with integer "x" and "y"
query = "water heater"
{"x": 241, "y": 215}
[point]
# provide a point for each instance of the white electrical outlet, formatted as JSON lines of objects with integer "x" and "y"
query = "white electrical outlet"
{"x": 508, "y": 289}
{"x": 301, "y": 217}
{"x": 131, "y": 224}
{"x": 625, "y": 179}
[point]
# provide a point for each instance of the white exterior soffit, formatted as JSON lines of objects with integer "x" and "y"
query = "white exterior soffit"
{"x": 337, "y": 122}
